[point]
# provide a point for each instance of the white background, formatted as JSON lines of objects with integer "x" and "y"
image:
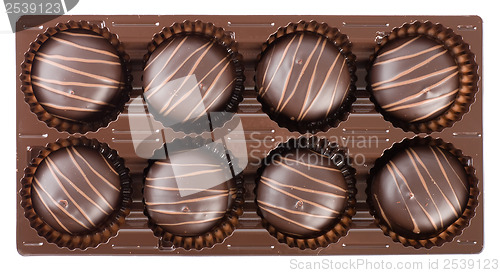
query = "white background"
{"x": 9, "y": 258}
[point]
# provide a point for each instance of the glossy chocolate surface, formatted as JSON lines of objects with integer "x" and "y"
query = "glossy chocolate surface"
{"x": 414, "y": 79}
{"x": 303, "y": 76}
{"x": 420, "y": 191}
{"x": 302, "y": 193}
{"x": 77, "y": 75}
{"x": 187, "y": 77}
{"x": 189, "y": 193}
{"x": 75, "y": 189}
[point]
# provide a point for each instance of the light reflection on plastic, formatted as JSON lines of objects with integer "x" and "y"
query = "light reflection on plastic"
{"x": 233, "y": 141}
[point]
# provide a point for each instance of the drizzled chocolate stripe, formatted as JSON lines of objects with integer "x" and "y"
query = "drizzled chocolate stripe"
{"x": 308, "y": 93}
{"x": 83, "y": 35}
{"x": 67, "y": 193}
{"x": 85, "y": 177}
{"x": 295, "y": 197}
{"x": 186, "y": 77}
{"x": 71, "y": 195}
{"x": 394, "y": 170}
{"x": 289, "y": 220}
{"x": 414, "y": 79}
{"x": 409, "y": 70}
{"x": 104, "y": 179}
{"x": 79, "y": 84}
{"x": 192, "y": 222}
{"x": 187, "y": 201}
{"x": 269, "y": 181}
{"x": 77, "y": 75}
{"x": 413, "y": 158}
{"x": 303, "y": 76}
{"x": 304, "y": 174}
{"x": 188, "y": 193}
{"x": 420, "y": 191}
{"x": 398, "y": 47}
{"x": 175, "y": 176}
{"x": 407, "y": 56}
{"x": 265, "y": 87}
{"x": 80, "y": 191}
{"x": 74, "y": 59}
{"x": 308, "y": 165}
{"x": 443, "y": 195}
{"x": 289, "y": 70}
{"x": 48, "y": 88}
{"x": 301, "y": 193}
{"x": 76, "y": 71}
{"x": 262, "y": 203}
{"x": 37, "y": 194}
{"x": 172, "y": 74}
{"x": 164, "y": 111}
{"x": 51, "y": 106}
{"x": 185, "y": 189}
{"x": 176, "y": 164}
{"x": 202, "y": 113}
{"x": 162, "y": 55}
{"x": 91, "y": 49}
{"x": 186, "y": 212}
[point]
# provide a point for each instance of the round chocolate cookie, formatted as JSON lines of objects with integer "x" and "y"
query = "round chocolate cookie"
{"x": 75, "y": 190}
{"x": 420, "y": 191}
{"x": 303, "y": 77}
{"x": 187, "y": 77}
{"x": 189, "y": 193}
{"x": 77, "y": 75}
{"x": 302, "y": 193}
{"x": 414, "y": 79}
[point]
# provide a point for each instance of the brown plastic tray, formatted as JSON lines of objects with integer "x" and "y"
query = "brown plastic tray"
{"x": 365, "y": 133}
